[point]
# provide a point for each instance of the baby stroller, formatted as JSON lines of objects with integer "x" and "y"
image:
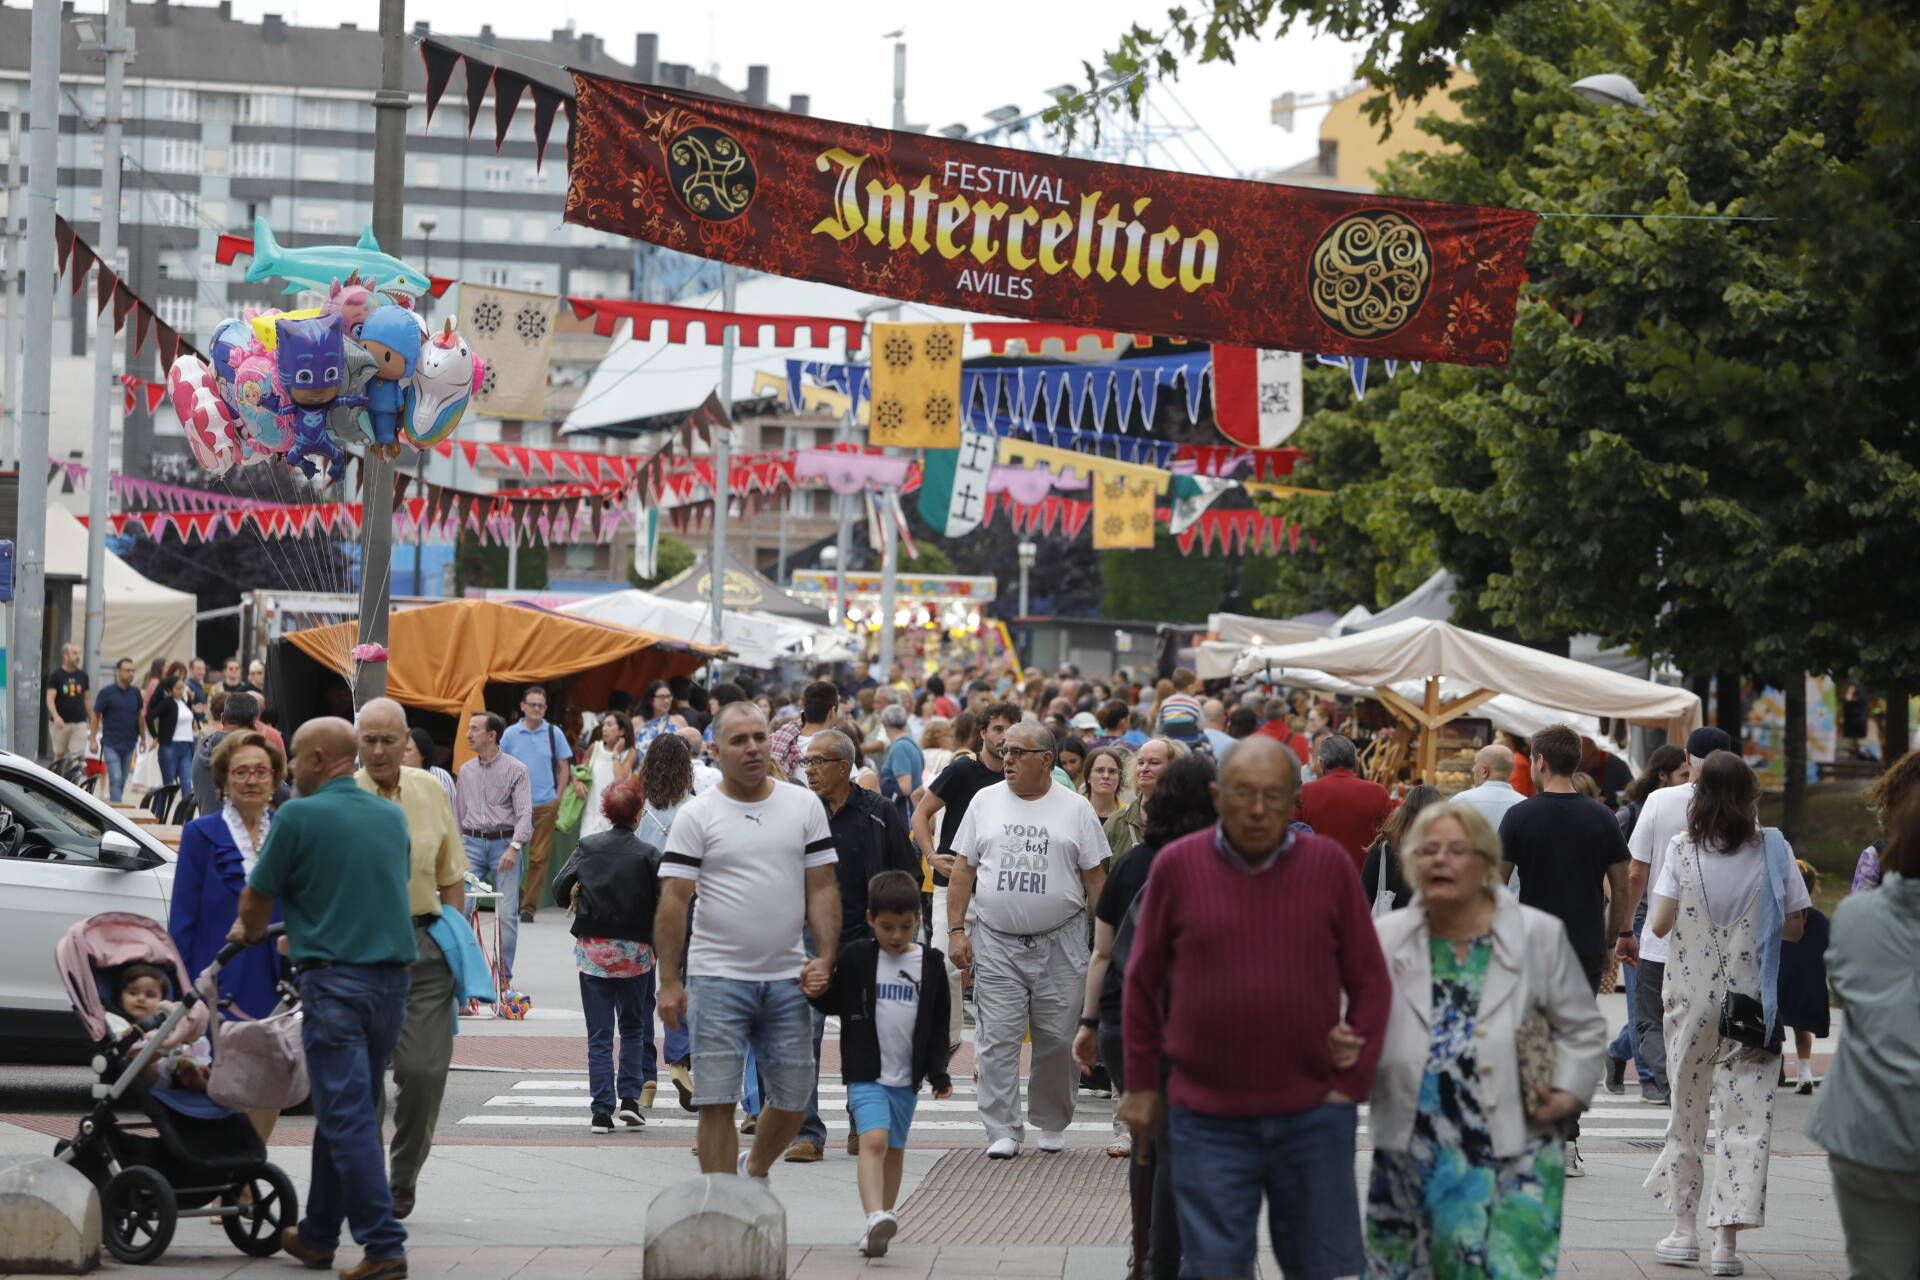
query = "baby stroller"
{"x": 191, "y": 1156}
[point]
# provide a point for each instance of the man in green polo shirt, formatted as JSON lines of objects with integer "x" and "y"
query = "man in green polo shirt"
{"x": 338, "y": 860}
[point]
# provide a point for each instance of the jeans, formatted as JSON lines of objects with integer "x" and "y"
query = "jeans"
{"x": 351, "y": 1017}
{"x": 1304, "y": 1164}
{"x": 483, "y": 859}
{"x": 773, "y": 1018}
{"x": 605, "y": 1002}
{"x": 676, "y": 1044}
{"x": 1649, "y": 1024}
{"x": 1627, "y": 1044}
{"x": 119, "y": 763}
{"x": 176, "y": 763}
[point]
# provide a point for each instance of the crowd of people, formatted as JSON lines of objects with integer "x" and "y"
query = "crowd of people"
{"x": 1200, "y": 903}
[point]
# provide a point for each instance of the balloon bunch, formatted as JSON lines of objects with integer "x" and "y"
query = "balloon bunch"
{"x": 361, "y": 368}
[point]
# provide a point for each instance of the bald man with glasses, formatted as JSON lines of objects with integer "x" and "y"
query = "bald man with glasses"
{"x": 1030, "y": 861}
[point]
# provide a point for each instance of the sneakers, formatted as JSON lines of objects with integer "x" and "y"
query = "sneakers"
{"x": 682, "y": 1084}
{"x": 1616, "y": 1075}
{"x": 1121, "y": 1146}
{"x": 1655, "y": 1097}
{"x": 1726, "y": 1263}
{"x": 879, "y": 1233}
{"x": 1678, "y": 1249}
{"x": 1804, "y": 1083}
{"x": 748, "y": 1125}
{"x": 526, "y": 917}
{"x": 1804, "y": 1087}
{"x": 648, "y": 1092}
{"x": 629, "y": 1113}
{"x": 602, "y": 1122}
{"x": 1052, "y": 1140}
{"x": 1575, "y": 1169}
{"x": 804, "y": 1152}
{"x": 1002, "y": 1149}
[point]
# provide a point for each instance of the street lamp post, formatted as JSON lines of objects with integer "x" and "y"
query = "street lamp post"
{"x": 1028, "y": 554}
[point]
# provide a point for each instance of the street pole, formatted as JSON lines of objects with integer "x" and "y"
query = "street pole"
{"x": 889, "y": 583}
{"x": 786, "y": 514}
{"x": 104, "y": 398}
{"x": 15, "y": 298}
{"x": 722, "y": 464}
{"x": 376, "y": 473}
{"x": 25, "y": 658}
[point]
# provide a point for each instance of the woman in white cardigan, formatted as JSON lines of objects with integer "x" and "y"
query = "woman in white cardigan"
{"x": 1468, "y": 1176}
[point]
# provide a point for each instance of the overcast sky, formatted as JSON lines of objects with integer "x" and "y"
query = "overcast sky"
{"x": 961, "y": 60}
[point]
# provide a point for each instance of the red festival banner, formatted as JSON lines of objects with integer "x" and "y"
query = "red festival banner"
{"x": 1017, "y": 233}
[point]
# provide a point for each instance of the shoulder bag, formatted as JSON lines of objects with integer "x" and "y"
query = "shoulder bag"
{"x": 1743, "y": 1019}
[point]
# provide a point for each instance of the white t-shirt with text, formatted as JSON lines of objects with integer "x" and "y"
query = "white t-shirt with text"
{"x": 896, "y": 1004}
{"x": 1028, "y": 856}
{"x": 749, "y": 866}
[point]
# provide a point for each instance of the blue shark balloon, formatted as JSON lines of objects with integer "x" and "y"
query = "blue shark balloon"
{"x": 318, "y": 267}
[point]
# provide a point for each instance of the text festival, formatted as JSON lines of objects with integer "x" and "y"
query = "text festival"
{"x": 1086, "y": 241}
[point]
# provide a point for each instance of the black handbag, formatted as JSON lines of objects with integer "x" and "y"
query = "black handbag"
{"x": 1743, "y": 1019}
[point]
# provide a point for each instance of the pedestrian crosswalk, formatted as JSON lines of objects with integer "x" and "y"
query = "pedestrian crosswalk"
{"x": 553, "y": 1103}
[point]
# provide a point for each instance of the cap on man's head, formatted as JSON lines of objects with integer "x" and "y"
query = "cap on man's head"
{"x": 1706, "y": 740}
{"x": 1084, "y": 722}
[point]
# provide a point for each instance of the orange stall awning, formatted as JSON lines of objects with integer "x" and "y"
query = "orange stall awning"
{"x": 442, "y": 657}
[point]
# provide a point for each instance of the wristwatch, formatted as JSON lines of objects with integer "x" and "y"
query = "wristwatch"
{"x": 1628, "y": 933}
{"x": 1091, "y": 1024}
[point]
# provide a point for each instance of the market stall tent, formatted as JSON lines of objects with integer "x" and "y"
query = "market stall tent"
{"x": 1429, "y": 652}
{"x": 144, "y": 620}
{"x": 745, "y": 587}
{"x": 444, "y": 656}
{"x": 755, "y": 640}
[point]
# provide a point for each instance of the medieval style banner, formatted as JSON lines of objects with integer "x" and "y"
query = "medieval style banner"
{"x": 1017, "y": 233}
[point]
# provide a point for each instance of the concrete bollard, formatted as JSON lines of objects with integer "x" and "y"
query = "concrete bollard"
{"x": 49, "y": 1217}
{"x": 716, "y": 1227}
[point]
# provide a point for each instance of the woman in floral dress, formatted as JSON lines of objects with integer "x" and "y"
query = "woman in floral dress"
{"x": 1467, "y": 1176}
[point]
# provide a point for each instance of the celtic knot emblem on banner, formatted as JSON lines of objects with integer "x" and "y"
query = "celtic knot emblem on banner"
{"x": 711, "y": 173}
{"x": 1370, "y": 273}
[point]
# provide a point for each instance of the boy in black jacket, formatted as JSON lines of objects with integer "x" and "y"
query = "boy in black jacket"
{"x": 891, "y": 998}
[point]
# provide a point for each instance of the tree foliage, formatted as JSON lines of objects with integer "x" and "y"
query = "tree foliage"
{"x": 673, "y": 557}
{"x": 1704, "y": 445}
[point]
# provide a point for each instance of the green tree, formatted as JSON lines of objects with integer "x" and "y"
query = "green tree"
{"x": 1160, "y": 585}
{"x": 674, "y": 557}
{"x": 931, "y": 559}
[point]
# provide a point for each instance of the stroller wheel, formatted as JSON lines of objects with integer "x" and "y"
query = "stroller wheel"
{"x": 275, "y": 1205}
{"x": 137, "y": 1215}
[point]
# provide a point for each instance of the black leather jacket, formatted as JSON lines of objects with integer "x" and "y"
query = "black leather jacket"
{"x": 617, "y": 875}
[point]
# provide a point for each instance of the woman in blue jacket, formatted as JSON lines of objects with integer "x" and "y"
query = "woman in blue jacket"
{"x": 217, "y": 852}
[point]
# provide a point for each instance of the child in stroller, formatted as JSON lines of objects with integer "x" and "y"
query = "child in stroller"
{"x": 143, "y": 1003}
{"x": 189, "y": 1155}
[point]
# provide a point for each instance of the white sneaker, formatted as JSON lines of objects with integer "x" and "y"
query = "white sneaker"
{"x": 880, "y": 1228}
{"x": 1002, "y": 1149}
{"x": 741, "y": 1168}
{"x": 1678, "y": 1249}
{"x": 1052, "y": 1140}
{"x": 1726, "y": 1263}
{"x": 1575, "y": 1169}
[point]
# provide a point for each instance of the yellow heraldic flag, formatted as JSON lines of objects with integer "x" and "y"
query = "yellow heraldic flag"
{"x": 1122, "y": 513}
{"x": 916, "y": 386}
{"x": 512, "y": 332}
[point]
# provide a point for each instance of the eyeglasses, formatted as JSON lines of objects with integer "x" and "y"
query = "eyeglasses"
{"x": 814, "y": 762}
{"x": 1434, "y": 848}
{"x": 250, "y": 773}
{"x": 1273, "y": 799}
{"x": 1014, "y": 753}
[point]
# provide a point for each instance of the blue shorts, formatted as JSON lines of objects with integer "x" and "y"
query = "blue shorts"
{"x": 1303, "y": 1162}
{"x": 728, "y": 1015}
{"x": 882, "y": 1106}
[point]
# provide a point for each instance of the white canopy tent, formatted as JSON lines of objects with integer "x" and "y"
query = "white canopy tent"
{"x": 1233, "y": 633}
{"x": 1457, "y": 671}
{"x": 144, "y": 620}
{"x": 758, "y": 640}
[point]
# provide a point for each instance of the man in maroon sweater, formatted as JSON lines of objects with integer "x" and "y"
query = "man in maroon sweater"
{"x": 1340, "y": 804}
{"x": 1248, "y": 935}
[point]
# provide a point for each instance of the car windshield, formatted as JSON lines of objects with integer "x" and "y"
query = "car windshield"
{"x": 38, "y": 822}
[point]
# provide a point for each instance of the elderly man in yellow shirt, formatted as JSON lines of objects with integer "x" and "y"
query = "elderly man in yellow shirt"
{"x": 439, "y": 874}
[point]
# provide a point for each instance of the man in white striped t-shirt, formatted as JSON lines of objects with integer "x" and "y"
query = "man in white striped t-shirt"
{"x": 760, "y": 855}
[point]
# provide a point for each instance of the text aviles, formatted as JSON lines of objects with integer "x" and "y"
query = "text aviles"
{"x": 1088, "y": 241}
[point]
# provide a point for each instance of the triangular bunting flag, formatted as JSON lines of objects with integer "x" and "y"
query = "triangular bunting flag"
{"x": 83, "y": 260}
{"x": 440, "y": 62}
{"x": 63, "y": 240}
{"x": 123, "y": 300}
{"x": 479, "y": 76}
{"x": 507, "y": 88}
{"x": 143, "y": 319}
{"x": 104, "y": 283}
{"x": 545, "y": 102}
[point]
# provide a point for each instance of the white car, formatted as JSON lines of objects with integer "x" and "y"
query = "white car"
{"x": 64, "y": 856}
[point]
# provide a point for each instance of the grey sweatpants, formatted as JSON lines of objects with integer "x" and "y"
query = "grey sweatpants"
{"x": 1649, "y": 1023}
{"x": 1022, "y": 984}
{"x": 420, "y": 1062}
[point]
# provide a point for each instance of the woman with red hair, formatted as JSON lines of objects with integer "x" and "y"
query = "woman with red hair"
{"x": 611, "y": 885}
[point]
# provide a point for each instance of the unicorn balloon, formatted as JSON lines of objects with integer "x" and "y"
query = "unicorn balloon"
{"x": 446, "y": 376}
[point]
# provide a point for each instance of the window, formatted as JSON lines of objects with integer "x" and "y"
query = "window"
{"x": 533, "y": 231}
{"x": 496, "y": 226}
{"x": 53, "y": 828}
{"x": 174, "y": 210}
{"x": 182, "y": 104}
{"x": 536, "y": 179}
{"x": 496, "y": 276}
{"x": 214, "y": 212}
{"x": 253, "y": 108}
{"x": 318, "y": 218}
{"x": 179, "y": 155}
{"x": 498, "y": 177}
{"x": 253, "y": 159}
{"x": 178, "y": 313}
{"x": 534, "y": 280}
{"x": 426, "y": 173}
{"x": 211, "y": 271}
{"x": 319, "y": 113}
{"x": 318, "y": 166}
